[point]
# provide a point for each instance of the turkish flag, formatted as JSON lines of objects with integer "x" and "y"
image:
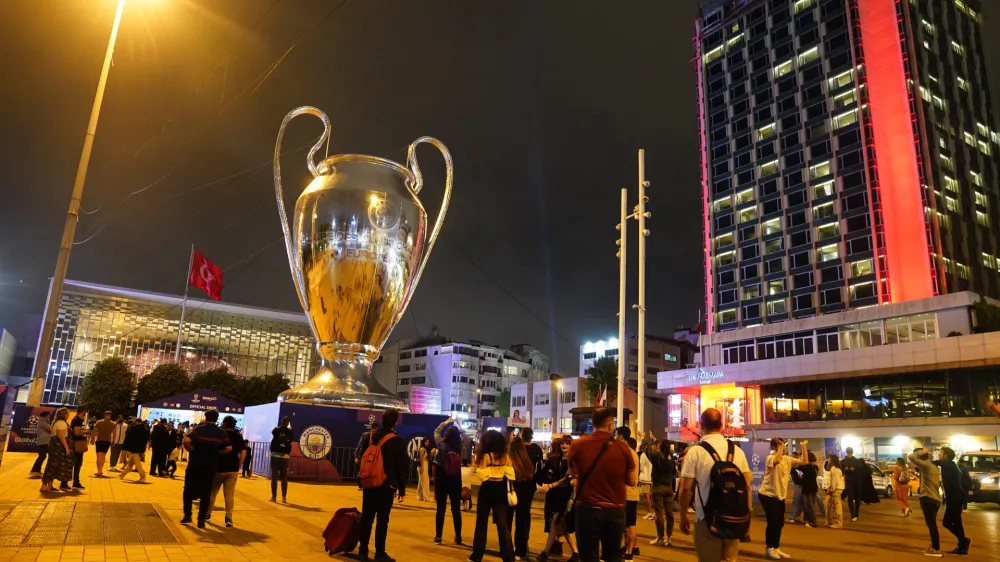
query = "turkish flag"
{"x": 206, "y": 276}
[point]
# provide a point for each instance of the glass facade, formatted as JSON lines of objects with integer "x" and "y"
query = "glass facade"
{"x": 950, "y": 393}
{"x": 92, "y": 326}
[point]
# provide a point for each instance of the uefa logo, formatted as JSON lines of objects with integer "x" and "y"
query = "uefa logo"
{"x": 315, "y": 442}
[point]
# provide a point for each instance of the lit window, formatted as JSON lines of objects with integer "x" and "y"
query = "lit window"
{"x": 801, "y": 5}
{"x": 824, "y": 189}
{"x": 776, "y": 307}
{"x": 766, "y": 131}
{"x": 969, "y": 139}
{"x": 727, "y": 316}
{"x": 845, "y": 119}
{"x": 982, "y": 130}
{"x": 940, "y": 103}
{"x": 782, "y": 69}
{"x": 982, "y": 218}
{"x": 769, "y": 168}
{"x": 722, "y": 204}
{"x": 735, "y": 40}
{"x": 735, "y": 28}
{"x": 863, "y": 267}
{"x": 748, "y": 214}
{"x": 927, "y": 45}
{"x": 751, "y": 292}
{"x": 962, "y": 270}
{"x": 772, "y": 226}
{"x": 959, "y": 50}
{"x": 946, "y": 163}
{"x": 951, "y": 204}
{"x": 984, "y": 148}
{"x": 819, "y": 170}
{"x": 725, "y": 258}
{"x": 827, "y": 231}
{"x": 861, "y": 290}
{"x": 823, "y": 211}
{"x": 963, "y": 84}
{"x": 744, "y": 196}
{"x": 926, "y": 94}
{"x": 827, "y": 253}
{"x": 809, "y": 56}
{"x": 928, "y": 27}
{"x": 724, "y": 240}
{"x": 963, "y": 7}
{"x": 977, "y": 178}
{"x": 950, "y": 184}
{"x": 844, "y": 100}
{"x": 713, "y": 54}
{"x": 989, "y": 261}
{"x": 981, "y": 200}
{"x": 841, "y": 80}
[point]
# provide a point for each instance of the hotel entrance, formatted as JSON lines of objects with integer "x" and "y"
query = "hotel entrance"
{"x": 740, "y": 406}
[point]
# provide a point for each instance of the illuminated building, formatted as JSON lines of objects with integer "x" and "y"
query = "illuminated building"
{"x": 662, "y": 354}
{"x": 96, "y": 322}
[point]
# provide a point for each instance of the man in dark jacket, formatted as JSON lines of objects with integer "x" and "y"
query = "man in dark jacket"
{"x": 954, "y": 498}
{"x": 376, "y": 502}
{"x": 160, "y": 440}
{"x": 854, "y": 478}
{"x": 662, "y": 490}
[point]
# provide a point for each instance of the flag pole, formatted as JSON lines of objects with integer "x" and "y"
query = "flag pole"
{"x": 180, "y": 325}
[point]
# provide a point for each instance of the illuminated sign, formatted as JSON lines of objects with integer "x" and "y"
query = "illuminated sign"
{"x": 701, "y": 376}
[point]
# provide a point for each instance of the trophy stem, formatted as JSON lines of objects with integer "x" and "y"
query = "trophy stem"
{"x": 347, "y": 384}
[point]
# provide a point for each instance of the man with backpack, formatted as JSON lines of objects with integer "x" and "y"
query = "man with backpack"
{"x": 281, "y": 456}
{"x": 716, "y": 473}
{"x": 448, "y": 477}
{"x": 383, "y": 477}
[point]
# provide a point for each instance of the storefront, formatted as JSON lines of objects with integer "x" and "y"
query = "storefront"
{"x": 191, "y": 407}
{"x": 691, "y": 391}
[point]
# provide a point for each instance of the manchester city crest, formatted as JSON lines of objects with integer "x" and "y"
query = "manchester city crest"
{"x": 315, "y": 442}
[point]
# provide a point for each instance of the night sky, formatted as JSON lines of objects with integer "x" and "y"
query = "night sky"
{"x": 543, "y": 105}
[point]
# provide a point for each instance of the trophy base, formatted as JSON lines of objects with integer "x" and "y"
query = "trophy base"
{"x": 344, "y": 384}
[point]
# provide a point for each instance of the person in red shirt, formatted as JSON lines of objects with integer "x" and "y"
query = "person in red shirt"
{"x": 602, "y": 468}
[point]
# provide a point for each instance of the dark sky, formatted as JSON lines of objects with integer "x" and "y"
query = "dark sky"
{"x": 543, "y": 105}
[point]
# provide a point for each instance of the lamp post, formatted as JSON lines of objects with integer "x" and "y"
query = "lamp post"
{"x": 43, "y": 352}
{"x": 559, "y": 387}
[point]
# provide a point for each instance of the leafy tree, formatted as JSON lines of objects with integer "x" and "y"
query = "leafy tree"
{"x": 604, "y": 374}
{"x": 220, "y": 380}
{"x": 502, "y": 407}
{"x": 109, "y": 386}
{"x": 262, "y": 389}
{"x": 987, "y": 316}
{"x": 165, "y": 380}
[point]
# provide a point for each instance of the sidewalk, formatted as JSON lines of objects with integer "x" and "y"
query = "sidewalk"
{"x": 269, "y": 531}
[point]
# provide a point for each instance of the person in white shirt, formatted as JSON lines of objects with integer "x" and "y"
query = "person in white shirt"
{"x": 833, "y": 483}
{"x": 645, "y": 483}
{"x": 772, "y": 493}
{"x": 696, "y": 478}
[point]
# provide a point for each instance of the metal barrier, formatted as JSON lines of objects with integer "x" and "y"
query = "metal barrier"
{"x": 337, "y": 466}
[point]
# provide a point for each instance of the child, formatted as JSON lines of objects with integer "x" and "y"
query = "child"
{"x": 834, "y": 486}
{"x": 175, "y": 455}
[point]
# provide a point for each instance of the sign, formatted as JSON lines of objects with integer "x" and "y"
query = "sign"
{"x": 24, "y": 429}
{"x": 756, "y": 454}
{"x": 315, "y": 442}
{"x": 519, "y": 419}
{"x": 701, "y": 376}
{"x": 200, "y": 399}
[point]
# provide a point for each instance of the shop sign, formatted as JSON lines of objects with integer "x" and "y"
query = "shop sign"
{"x": 701, "y": 376}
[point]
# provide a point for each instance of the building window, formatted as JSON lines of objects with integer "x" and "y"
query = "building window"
{"x": 827, "y": 231}
{"x": 727, "y": 316}
{"x": 748, "y": 214}
{"x": 775, "y": 307}
{"x": 862, "y": 290}
{"x": 568, "y": 397}
{"x": 518, "y": 401}
{"x": 844, "y": 100}
{"x": 772, "y": 226}
{"x": 419, "y": 380}
{"x": 823, "y": 211}
{"x": 782, "y": 69}
{"x": 769, "y": 168}
{"x": 827, "y": 253}
{"x": 404, "y": 382}
{"x": 982, "y": 218}
{"x": 541, "y": 399}
{"x": 841, "y": 80}
{"x": 404, "y": 355}
{"x": 404, "y": 368}
{"x": 951, "y": 204}
{"x": 669, "y": 357}
{"x": 591, "y": 355}
{"x": 845, "y": 119}
{"x": 959, "y": 50}
{"x": 809, "y": 56}
{"x": 420, "y": 353}
{"x": 950, "y": 184}
{"x": 765, "y": 132}
{"x": 819, "y": 170}
{"x": 862, "y": 267}
{"x": 981, "y": 200}
{"x": 802, "y": 5}
{"x": 751, "y": 292}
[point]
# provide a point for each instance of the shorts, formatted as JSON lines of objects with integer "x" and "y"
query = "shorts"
{"x": 631, "y": 513}
{"x": 645, "y": 488}
{"x": 103, "y": 446}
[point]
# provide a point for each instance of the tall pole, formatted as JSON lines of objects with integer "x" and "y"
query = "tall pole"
{"x": 643, "y": 233}
{"x": 180, "y": 326}
{"x": 45, "y": 338}
{"x": 622, "y": 348}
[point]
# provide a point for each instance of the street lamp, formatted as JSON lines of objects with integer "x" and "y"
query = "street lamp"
{"x": 69, "y": 230}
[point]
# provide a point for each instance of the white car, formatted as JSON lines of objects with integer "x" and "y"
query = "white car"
{"x": 881, "y": 480}
{"x": 984, "y": 468}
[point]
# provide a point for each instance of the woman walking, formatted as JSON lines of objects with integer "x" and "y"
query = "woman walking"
{"x": 901, "y": 484}
{"x": 519, "y": 517}
{"x": 772, "y": 494}
{"x": 555, "y": 484}
{"x": 60, "y": 453}
{"x": 448, "y": 477}
{"x": 810, "y": 487}
{"x": 424, "y": 471}
{"x": 834, "y": 486}
{"x": 493, "y": 465}
{"x": 663, "y": 473}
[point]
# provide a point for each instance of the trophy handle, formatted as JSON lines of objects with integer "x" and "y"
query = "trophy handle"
{"x": 418, "y": 184}
{"x": 290, "y": 248}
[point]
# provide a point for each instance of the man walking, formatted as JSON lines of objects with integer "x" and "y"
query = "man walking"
{"x": 797, "y": 507}
{"x": 376, "y": 502}
{"x": 160, "y": 441}
{"x": 117, "y": 442}
{"x": 134, "y": 446}
{"x": 930, "y": 497}
{"x": 602, "y": 468}
{"x": 854, "y": 469}
{"x": 229, "y": 469}
{"x": 954, "y": 498}
{"x": 104, "y": 430}
{"x": 205, "y": 443}
{"x": 696, "y": 480}
{"x": 43, "y": 434}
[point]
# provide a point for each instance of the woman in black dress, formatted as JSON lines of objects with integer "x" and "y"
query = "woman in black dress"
{"x": 61, "y": 456}
{"x": 555, "y": 483}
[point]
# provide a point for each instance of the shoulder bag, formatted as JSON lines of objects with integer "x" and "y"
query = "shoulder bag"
{"x": 586, "y": 475}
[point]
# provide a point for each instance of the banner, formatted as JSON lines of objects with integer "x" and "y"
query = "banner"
{"x": 756, "y": 456}
{"x": 23, "y": 428}
{"x": 200, "y": 399}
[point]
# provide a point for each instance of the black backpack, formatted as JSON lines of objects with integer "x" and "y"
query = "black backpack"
{"x": 281, "y": 443}
{"x": 727, "y": 511}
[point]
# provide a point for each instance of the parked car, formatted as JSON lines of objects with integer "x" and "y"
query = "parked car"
{"x": 984, "y": 468}
{"x": 881, "y": 480}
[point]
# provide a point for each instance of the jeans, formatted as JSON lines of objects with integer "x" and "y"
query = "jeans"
{"x": 519, "y": 517}
{"x": 77, "y": 465}
{"x": 158, "y": 463}
{"x": 43, "y": 451}
{"x": 853, "y": 490}
{"x": 797, "y": 507}
{"x": 599, "y": 533}
{"x": 443, "y": 494}
{"x": 834, "y": 509}
{"x": 279, "y": 471}
{"x": 227, "y": 482}
{"x": 198, "y": 486}
{"x": 809, "y": 503}
{"x": 116, "y": 452}
{"x": 930, "y": 508}
{"x": 493, "y": 498}
{"x": 663, "y": 507}
{"x": 376, "y": 503}
{"x": 952, "y": 519}
{"x": 774, "y": 511}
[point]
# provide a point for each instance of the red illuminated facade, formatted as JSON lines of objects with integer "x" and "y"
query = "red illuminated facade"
{"x": 849, "y": 156}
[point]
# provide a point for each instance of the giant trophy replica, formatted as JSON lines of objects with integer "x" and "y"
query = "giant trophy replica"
{"x": 357, "y": 244}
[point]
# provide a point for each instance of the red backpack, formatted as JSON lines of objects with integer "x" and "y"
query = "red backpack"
{"x": 372, "y": 472}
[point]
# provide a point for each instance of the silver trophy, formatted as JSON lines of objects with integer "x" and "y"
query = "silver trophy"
{"x": 357, "y": 244}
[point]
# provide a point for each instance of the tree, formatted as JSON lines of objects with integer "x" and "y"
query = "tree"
{"x": 109, "y": 386}
{"x": 987, "y": 316}
{"x": 502, "y": 406}
{"x": 262, "y": 389}
{"x": 604, "y": 374}
{"x": 165, "y": 380}
{"x": 220, "y": 380}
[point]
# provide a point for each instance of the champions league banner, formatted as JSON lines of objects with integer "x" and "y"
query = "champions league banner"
{"x": 24, "y": 429}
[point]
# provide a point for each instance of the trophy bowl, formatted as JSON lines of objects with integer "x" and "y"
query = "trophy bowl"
{"x": 357, "y": 245}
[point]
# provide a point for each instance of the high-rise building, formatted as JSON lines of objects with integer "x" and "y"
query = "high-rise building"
{"x": 849, "y": 156}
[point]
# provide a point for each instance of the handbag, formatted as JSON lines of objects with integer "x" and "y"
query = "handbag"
{"x": 80, "y": 446}
{"x": 586, "y": 475}
{"x": 511, "y": 494}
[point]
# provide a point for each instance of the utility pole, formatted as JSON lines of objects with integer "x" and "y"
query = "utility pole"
{"x": 622, "y": 348}
{"x": 641, "y": 307}
{"x": 47, "y": 335}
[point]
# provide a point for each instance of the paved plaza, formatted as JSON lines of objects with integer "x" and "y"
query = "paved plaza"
{"x": 131, "y": 522}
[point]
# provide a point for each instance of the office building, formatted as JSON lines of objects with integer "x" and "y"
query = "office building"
{"x": 662, "y": 354}
{"x": 96, "y": 322}
{"x": 849, "y": 156}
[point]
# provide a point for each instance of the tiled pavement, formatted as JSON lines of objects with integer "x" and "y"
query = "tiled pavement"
{"x": 267, "y": 531}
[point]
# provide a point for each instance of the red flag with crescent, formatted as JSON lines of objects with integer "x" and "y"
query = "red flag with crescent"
{"x": 206, "y": 276}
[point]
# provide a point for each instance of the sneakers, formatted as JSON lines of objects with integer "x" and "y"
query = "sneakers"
{"x": 933, "y": 553}
{"x": 186, "y": 520}
{"x": 963, "y": 547}
{"x": 649, "y": 517}
{"x": 458, "y": 541}
{"x": 285, "y": 500}
{"x": 384, "y": 558}
{"x": 229, "y": 522}
{"x": 771, "y": 554}
{"x": 782, "y": 553}
{"x": 274, "y": 498}
{"x": 201, "y": 523}
{"x": 658, "y": 542}
{"x": 810, "y": 525}
{"x": 437, "y": 540}
{"x": 854, "y": 519}
{"x": 791, "y": 520}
